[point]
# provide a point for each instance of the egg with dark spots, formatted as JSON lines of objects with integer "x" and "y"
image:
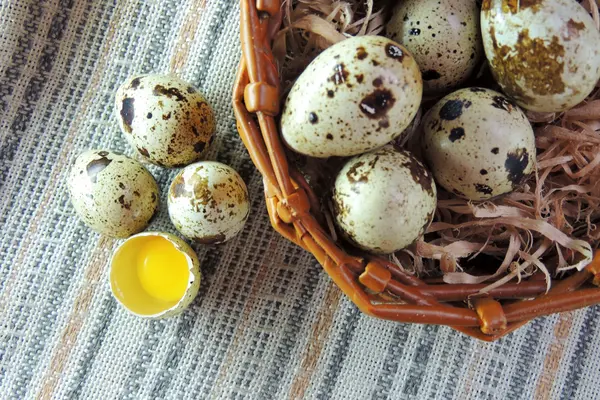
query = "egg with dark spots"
{"x": 545, "y": 54}
{"x": 384, "y": 200}
{"x": 112, "y": 194}
{"x": 370, "y": 83}
{"x": 208, "y": 202}
{"x": 480, "y": 151}
{"x": 444, "y": 37}
{"x": 165, "y": 119}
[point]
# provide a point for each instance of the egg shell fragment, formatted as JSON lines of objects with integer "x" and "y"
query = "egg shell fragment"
{"x": 384, "y": 200}
{"x": 356, "y": 96}
{"x": 478, "y": 143}
{"x": 545, "y": 54}
{"x": 208, "y": 202}
{"x": 165, "y": 119}
{"x": 444, "y": 36}
{"x": 111, "y": 193}
{"x": 124, "y": 258}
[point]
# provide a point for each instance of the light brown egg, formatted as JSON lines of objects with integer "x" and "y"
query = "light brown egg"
{"x": 545, "y": 54}
{"x": 208, "y": 202}
{"x": 444, "y": 37}
{"x": 354, "y": 97}
{"x": 111, "y": 193}
{"x": 384, "y": 200}
{"x": 165, "y": 119}
{"x": 478, "y": 143}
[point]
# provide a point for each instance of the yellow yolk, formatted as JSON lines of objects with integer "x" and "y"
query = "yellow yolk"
{"x": 162, "y": 270}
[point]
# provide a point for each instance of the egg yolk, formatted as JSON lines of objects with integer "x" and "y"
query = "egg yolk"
{"x": 162, "y": 270}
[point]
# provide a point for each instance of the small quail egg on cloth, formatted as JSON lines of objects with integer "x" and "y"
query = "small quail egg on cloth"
{"x": 478, "y": 143}
{"x": 356, "y": 96}
{"x": 113, "y": 194}
{"x": 443, "y": 35}
{"x": 545, "y": 54}
{"x": 154, "y": 274}
{"x": 208, "y": 202}
{"x": 165, "y": 119}
{"x": 384, "y": 200}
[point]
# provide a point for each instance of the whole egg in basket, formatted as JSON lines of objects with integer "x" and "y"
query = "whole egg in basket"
{"x": 356, "y": 96}
{"x": 545, "y": 54}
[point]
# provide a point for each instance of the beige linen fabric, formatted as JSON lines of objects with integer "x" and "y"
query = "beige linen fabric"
{"x": 268, "y": 322}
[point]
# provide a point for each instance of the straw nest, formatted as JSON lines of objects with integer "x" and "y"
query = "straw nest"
{"x": 547, "y": 226}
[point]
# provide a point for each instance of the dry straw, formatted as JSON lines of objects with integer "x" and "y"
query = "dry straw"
{"x": 548, "y": 225}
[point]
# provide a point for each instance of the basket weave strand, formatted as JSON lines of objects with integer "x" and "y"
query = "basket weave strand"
{"x": 377, "y": 286}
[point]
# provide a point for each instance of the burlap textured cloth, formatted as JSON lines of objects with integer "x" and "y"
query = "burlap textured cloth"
{"x": 268, "y": 323}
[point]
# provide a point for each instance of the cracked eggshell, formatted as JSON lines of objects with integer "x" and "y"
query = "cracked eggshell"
{"x": 545, "y": 54}
{"x": 443, "y": 35}
{"x": 112, "y": 194}
{"x": 478, "y": 143}
{"x": 208, "y": 202}
{"x": 125, "y": 257}
{"x": 165, "y": 119}
{"x": 356, "y": 96}
{"x": 384, "y": 200}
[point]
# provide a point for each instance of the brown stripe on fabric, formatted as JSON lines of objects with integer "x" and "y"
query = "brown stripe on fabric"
{"x": 41, "y": 91}
{"x": 15, "y": 101}
{"x": 231, "y": 358}
{"x": 554, "y": 356}
{"x": 316, "y": 341}
{"x": 467, "y": 383}
{"x": 59, "y": 166}
{"x": 186, "y": 35}
{"x": 62, "y": 350}
{"x": 78, "y": 315}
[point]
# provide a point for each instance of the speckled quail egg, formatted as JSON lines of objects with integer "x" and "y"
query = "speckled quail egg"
{"x": 154, "y": 274}
{"x": 208, "y": 202}
{"x": 443, "y": 35}
{"x": 384, "y": 200}
{"x": 113, "y": 194}
{"x": 478, "y": 143}
{"x": 165, "y": 119}
{"x": 356, "y": 96}
{"x": 545, "y": 54}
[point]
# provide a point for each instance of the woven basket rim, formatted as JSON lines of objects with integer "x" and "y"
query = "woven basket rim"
{"x": 377, "y": 286}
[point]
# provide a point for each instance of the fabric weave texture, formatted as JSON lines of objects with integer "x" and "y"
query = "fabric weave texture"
{"x": 268, "y": 323}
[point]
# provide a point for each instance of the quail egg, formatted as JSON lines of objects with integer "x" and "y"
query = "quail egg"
{"x": 384, "y": 200}
{"x": 443, "y": 35}
{"x": 356, "y": 96}
{"x": 478, "y": 143}
{"x": 113, "y": 194}
{"x": 154, "y": 274}
{"x": 545, "y": 54}
{"x": 165, "y": 119}
{"x": 208, "y": 202}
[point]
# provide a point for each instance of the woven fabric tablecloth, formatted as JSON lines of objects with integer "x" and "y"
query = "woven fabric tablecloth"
{"x": 268, "y": 322}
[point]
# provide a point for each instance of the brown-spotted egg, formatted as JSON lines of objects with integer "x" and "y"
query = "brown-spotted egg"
{"x": 208, "y": 202}
{"x": 111, "y": 193}
{"x": 443, "y": 35}
{"x": 356, "y": 96}
{"x": 384, "y": 200}
{"x": 478, "y": 143}
{"x": 165, "y": 119}
{"x": 545, "y": 54}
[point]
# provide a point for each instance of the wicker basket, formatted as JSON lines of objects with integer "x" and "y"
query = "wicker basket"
{"x": 378, "y": 287}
